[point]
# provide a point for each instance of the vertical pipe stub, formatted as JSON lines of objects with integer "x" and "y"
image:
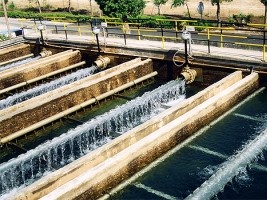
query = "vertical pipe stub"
{"x": 188, "y": 74}
{"x": 102, "y": 62}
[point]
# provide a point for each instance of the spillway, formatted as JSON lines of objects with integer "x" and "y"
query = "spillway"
{"x": 87, "y": 137}
{"x": 46, "y": 87}
{"x": 125, "y": 139}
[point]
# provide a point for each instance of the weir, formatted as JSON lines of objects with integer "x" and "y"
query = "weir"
{"x": 46, "y": 87}
{"x": 84, "y": 139}
{"x": 119, "y": 148}
{"x": 78, "y": 163}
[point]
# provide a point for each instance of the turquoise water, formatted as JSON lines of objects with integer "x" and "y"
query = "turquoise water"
{"x": 186, "y": 169}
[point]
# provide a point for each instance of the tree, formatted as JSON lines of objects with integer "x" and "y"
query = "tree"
{"x": 158, "y": 3}
{"x": 115, "y": 8}
{"x": 218, "y": 12}
{"x": 265, "y": 15}
{"x": 69, "y": 6}
{"x": 91, "y": 8}
{"x": 38, "y": 4}
{"x": 176, "y": 3}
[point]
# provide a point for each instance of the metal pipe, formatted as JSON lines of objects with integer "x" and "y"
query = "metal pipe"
{"x": 45, "y": 53}
{"x": 72, "y": 109}
{"x": 41, "y": 77}
{"x": 16, "y": 59}
{"x": 102, "y": 62}
{"x": 188, "y": 74}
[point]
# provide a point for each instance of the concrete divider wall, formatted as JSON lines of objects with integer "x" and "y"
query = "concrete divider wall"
{"x": 14, "y": 52}
{"x": 32, "y": 70}
{"x": 25, "y": 65}
{"x": 61, "y": 176}
{"x": 39, "y": 108}
{"x": 101, "y": 178}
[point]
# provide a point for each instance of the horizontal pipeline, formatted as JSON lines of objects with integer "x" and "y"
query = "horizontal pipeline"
{"x": 16, "y": 59}
{"x": 41, "y": 77}
{"x": 73, "y": 109}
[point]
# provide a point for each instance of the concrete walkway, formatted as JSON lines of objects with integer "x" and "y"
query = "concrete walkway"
{"x": 224, "y": 53}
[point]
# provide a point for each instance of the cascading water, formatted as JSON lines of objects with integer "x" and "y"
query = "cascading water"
{"x": 231, "y": 168}
{"x": 41, "y": 89}
{"x": 17, "y": 63}
{"x": 54, "y": 154}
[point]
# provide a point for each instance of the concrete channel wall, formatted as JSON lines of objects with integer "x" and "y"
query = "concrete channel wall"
{"x": 34, "y": 110}
{"x": 38, "y": 68}
{"x": 14, "y": 52}
{"x": 107, "y": 166}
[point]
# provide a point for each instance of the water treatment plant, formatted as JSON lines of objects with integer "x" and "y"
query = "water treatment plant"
{"x": 115, "y": 113}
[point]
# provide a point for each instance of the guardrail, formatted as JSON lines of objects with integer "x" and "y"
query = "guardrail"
{"x": 227, "y": 34}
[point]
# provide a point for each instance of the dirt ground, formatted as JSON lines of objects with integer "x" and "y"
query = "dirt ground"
{"x": 236, "y": 7}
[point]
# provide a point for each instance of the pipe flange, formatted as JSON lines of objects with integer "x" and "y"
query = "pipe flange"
{"x": 189, "y": 75}
{"x": 102, "y": 59}
{"x": 102, "y": 62}
{"x": 45, "y": 53}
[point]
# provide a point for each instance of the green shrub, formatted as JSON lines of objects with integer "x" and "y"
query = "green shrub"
{"x": 3, "y": 37}
{"x": 11, "y": 6}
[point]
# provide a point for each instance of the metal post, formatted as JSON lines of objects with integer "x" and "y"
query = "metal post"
{"x": 185, "y": 53}
{"x": 264, "y": 37}
{"x": 42, "y": 37}
{"x": 97, "y": 41}
{"x": 124, "y": 35}
{"x": 209, "y": 46}
{"x": 264, "y": 48}
{"x": 66, "y": 35}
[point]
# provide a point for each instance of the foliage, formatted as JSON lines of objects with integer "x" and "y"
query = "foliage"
{"x": 151, "y": 22}
{"x": 115, "y": 8}
{"x": 30, "y": 15}
{"x": 158, "y": 3}
{"x": 11, "y": 6}
{"x": 3, "y": 37}
{"x": 217, "y": 3}
{"x": 176, "y": 3}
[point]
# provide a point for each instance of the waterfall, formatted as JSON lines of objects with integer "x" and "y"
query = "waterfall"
{"x": 231, "y": 168}
{"x": 46, "y": 87}
{"x": 34, "y": 164}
